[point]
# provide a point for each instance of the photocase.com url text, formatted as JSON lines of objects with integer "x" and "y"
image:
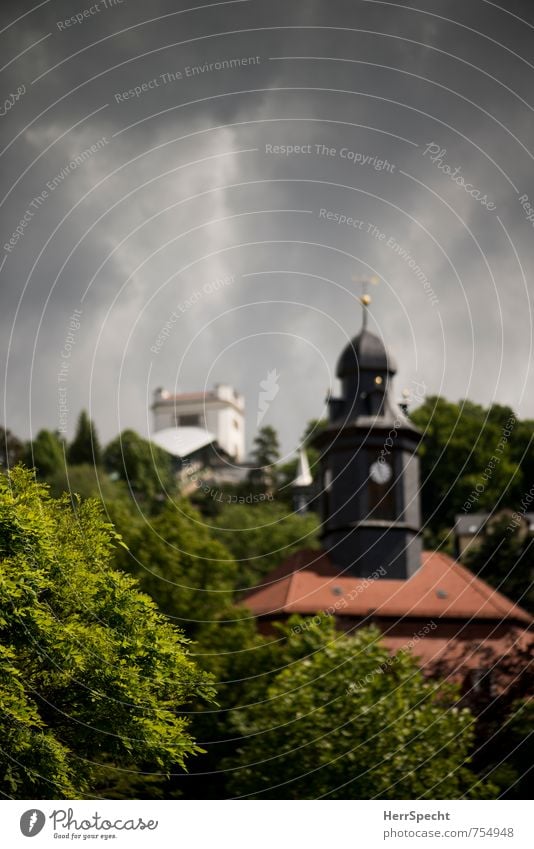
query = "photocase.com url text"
{"x": 473, "y": 832}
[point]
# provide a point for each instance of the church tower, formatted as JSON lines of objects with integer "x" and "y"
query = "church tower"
{"x": 369, "y": 470}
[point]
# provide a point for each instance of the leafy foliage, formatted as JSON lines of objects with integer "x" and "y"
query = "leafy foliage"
{"x": 88, "y": 482}
{"x": 261, "y": 537}
{"x": 506, "y": 755}
{"x": 349, "y": 721}
{"x": 232, "y": 650}
{"x": 504, "y": 558}
{"x": 464, "y": 447}
{"x": 46, "y": 453}
{"x": 265, "y": 453}
{"x": 92, "y": 677}
{"x": 85, "y": 447}
{"x": 11, "y": 449}
{"x": 90, "y": 672}
{"x": 190, "y": 575}
{"x": 145, "y": 467}
{"x": 501, "y": 700}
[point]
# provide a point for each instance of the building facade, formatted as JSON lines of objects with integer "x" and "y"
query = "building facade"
{"x": 219, "y": 413}
{"x": 369, "y": 468}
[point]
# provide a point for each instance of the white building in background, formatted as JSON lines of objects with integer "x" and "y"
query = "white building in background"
{"x": 185, "y": 423}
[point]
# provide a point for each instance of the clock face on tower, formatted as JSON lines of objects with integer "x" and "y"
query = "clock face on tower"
{"x": 380, "y": 472}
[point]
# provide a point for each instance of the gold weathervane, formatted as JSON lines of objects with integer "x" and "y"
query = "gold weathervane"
{"x": 365, "y": 298}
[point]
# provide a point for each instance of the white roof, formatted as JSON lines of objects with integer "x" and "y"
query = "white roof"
{"x": 181, "y": 441}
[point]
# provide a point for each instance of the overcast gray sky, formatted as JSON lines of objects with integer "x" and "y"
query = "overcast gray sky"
{"x": 414, "y": 123}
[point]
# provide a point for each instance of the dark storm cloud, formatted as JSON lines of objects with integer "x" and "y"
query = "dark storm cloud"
{"x": 181, "y": 191}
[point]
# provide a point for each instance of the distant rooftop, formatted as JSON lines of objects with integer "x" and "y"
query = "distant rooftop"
{"x": 182, "y": 441}
{"x": 442, "y": 588}
{"x": 221, "y": 392}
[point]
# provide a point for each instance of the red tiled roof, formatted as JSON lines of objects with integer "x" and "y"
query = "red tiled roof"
{"x": 308, "y": 582}
{"x": 461, "y": 651}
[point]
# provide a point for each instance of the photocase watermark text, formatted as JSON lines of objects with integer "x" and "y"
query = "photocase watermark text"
{"x": 356, "y": 157}
{"x": 418, "y": 396}
{"x": 269, "y": 390}
{"x": 50, "y": 186}
{"x": 185, "y": 306}
{"x": 519, "y": 515}
{"x": 10, "y": 101}
{"x": 64, "y": 369}
{"x": 88, "y": 12}
{"x": 370, "y": 229}
{"x": 340, "y": 604}
{"x": 490, "y": 467}
{"x": 437, "y": 157}
{"x": 382, "y": 668}
{"x": 187, "y": 72}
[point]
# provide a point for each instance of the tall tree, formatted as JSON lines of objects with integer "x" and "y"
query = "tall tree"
{"x": 504, "y": 557}
{"x": 91, "y": 674}
{"x": 466, "y": 459}
{"x": 265, "y": 453}
{"x": 46, "y": 453}
{"x": 262, "y": 536}
{"x": 190, "y": 575}
{"x": 522, "y": 453}
{"x": 88, "y": 481}
{"x": 145, "y": 467}
{"x": 11, "y": 449}
{"x": 85, "y": 447}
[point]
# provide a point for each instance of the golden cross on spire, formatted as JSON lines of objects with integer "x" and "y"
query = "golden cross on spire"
{"x": 365, "y": 298}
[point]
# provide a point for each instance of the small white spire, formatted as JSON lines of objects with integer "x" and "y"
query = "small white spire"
{"x": 304, "y": 477}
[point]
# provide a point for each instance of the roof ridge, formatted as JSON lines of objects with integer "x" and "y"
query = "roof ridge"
{"x": 489, "y": 593}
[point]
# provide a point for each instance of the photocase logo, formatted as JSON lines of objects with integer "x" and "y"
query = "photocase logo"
{"x": 32, "y": 822}
{"x": 270, "y": 389}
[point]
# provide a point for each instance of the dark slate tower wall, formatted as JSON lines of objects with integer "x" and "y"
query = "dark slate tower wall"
{"x": 411, "y": 489}
{"x": 369, "y": 527}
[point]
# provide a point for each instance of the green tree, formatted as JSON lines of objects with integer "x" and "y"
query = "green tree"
{"x": 85, "y": 447}
{"x": 265, "y": 453}
{"x": 266, "y": 449}
{"x": 145, "y": 467}
{"x": 11, "y": 449}
{"x": 90, "y": 673}
{"x": 511, "y": 752}
{"x": 522, "y": 453}
{"x": 190, "y": 575}
{"x": 229, "y": 647}
{"x": 501, "y": 701}
{"x": 260, "y": 537}
{"x": 46, "y": 453}
{"x": 89, "y": 482}
{"x": 466, "y": 459}
{"x": 504, "y": 558}
{"x": 349, "y": 721}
